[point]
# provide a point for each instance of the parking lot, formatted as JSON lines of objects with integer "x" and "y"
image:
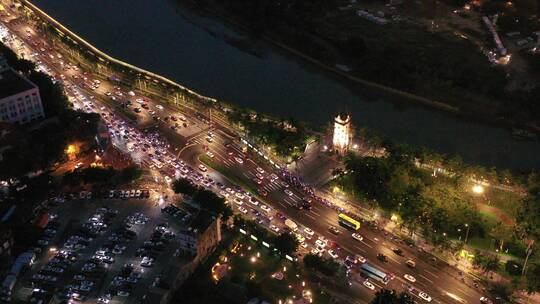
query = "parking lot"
{"x": 103, "y": 250}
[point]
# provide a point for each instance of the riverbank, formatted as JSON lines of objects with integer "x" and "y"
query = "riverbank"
{"x": 465, "y": 110}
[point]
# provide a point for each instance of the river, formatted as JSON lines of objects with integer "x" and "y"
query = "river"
{"x": 207, "y": 56}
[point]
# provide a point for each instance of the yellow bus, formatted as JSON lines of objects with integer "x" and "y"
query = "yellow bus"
{"x": 348, "y": 222}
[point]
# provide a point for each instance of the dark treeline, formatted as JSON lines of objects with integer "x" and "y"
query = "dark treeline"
{"x": 407, "y": 57}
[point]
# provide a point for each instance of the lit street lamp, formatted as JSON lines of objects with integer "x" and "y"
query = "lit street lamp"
{"x": 478, "y": 189}
{"x": 467, "y": 233}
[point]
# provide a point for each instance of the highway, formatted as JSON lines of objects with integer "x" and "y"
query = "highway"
{"x": 440, "y": 281}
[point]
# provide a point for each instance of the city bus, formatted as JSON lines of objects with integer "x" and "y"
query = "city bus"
{"x": 348, "y": 222}
{"x": 374, "y": 273}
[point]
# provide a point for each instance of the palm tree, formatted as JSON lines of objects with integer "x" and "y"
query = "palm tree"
{"x": 491, "y": 264}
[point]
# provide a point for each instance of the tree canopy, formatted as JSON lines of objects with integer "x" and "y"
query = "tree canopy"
{"x": 386, "y": 296}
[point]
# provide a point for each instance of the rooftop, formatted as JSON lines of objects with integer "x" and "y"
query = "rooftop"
{"x": 12, "y": 83}
{"x": 202, "y": 221}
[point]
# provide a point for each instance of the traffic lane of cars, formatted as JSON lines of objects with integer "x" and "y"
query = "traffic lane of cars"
{"x": 285, "y": 197}
{"x": 383, "y": 246}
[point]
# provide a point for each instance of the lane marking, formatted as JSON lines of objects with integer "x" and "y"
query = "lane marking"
{"x": 358, "y": 248}
{"x": 425, "y": 278}
{"x": 431, "y": 273}
{"x": 391, "y": 258}
{"x": 366, "y": 244}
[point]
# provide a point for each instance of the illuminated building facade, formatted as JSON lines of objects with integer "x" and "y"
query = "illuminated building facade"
{"x": 342, "y": 133}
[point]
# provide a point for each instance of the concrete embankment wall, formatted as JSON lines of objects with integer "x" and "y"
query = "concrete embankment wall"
{"x": 105, "y": 58}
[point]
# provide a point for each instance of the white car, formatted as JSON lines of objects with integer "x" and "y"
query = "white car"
{"x": 409, "y": 278}
{"x": 239, "y": 195}
{"x": 288, "y": 192}
{"x": 308, "y": 231}
{"x": 243, "y": 210}
{"x": 357, "y": 236}
{"x": 254, "y": 202}
{"x": 147, "y": 262}
{"x": 238, "y": 201}
{"x": 320, "y": 243}
{"x": 159, "y": 107}
{"x": 260, "y": 170}
{"x": 424, "y": 296}
{"x": 239, "y": 160}
{"x": 369, "y": 285}
{"x": 224, "y": 194}
{"x": 265, "y": 208}
{"x": 203, "y": 168}
{"x": 210, "y": 154}
{"x": 274, "y": 228}
{"x": 333, "y": 254}
{"x": 314, "y": 251}
{"x": 360, "y": 259}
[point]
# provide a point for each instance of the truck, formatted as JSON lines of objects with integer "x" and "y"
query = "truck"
{"x": 7, "y": 287}
{"x": 291, "y": 225}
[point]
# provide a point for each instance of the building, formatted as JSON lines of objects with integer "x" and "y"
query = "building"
{"x": 202, "y": 236}
{"x": 20, "y": 101}
{"x": 342, "y": 133}
{"x": 196, "y": 242}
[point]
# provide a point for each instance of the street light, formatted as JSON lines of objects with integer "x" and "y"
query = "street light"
{"x": 467, "y": 233}
{"x": 478, "y": 189}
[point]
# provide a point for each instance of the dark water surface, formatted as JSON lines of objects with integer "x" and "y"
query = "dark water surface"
{"x": 217, "y": 61}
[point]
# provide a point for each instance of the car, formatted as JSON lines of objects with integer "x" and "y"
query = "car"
{"x": 259, "y": 176}
{"x": 320, "y": 243}
{"x": 147, "y": 262}
{"x": 274, "y": 228}
{"x": 410, "y": 263}
{"x": 369, "y": 285}
{"x": 333, "y": 254}
{"x": 209, "y": 139}
{"x": 357, "y": 237}
{"x": 485, "y": 300}
{"x": 409, "y": 278}
{"x": 315, "y": 251}
{"x": 254, "y": 201}
{"x": 203, "y": 168}
{"x": 263, "y": 192}
{"x": 300, "y": 237}
{"x": 238, "y": 201}
{"x": 382, "y": 257}
{"x": 424, "y": 296}
{"x": 265, "y": 208}
{"x": 288, "y": 192}
{"x": 239, "y": 160}
{"x": 257, "y": 181}
{"x": 43, "y": 242}
{"x": 334, "y": 230}
{"x": 123, "y": 293}
{"x": 260, "y": 170}
{"x": 308, "y": 231}
{"x": 210, "y": 154}
{"x": 243, "y": 210}
{"x": 239, "y": 195}
{"x": 397, "y": 251}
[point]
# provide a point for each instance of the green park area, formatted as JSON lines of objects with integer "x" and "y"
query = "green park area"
{"x": 248, "y": 266}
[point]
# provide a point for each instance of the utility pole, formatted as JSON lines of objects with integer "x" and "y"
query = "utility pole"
{"x": 529, "y": 251}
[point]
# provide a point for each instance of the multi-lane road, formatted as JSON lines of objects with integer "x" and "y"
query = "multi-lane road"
{"x": 440, "y": 281}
